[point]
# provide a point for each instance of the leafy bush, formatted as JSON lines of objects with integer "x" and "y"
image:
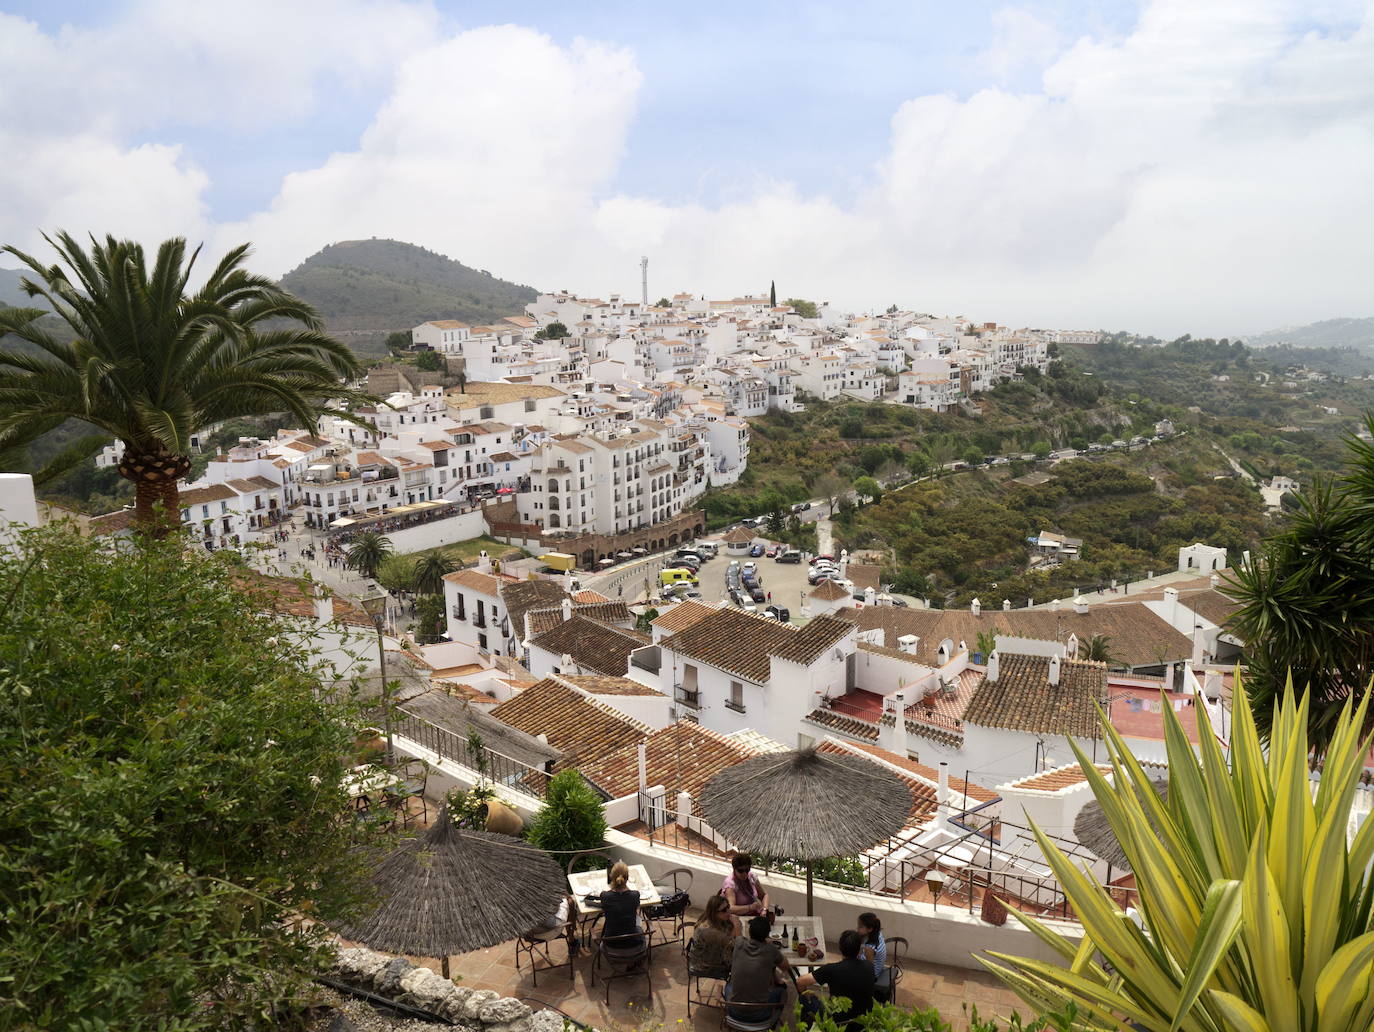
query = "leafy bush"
{"x": 570, "y": 819}
{"x": 891, "y": 1018}
{"x": 170, "y": 794}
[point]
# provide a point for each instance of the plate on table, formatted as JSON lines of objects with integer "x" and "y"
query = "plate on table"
{"x": 815, "y": 954}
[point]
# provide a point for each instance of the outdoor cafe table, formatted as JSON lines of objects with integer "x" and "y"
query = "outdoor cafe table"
{"x": 369, "y": 781}
{"x": 807, "y": 927}
{"x": 588, "y": 883}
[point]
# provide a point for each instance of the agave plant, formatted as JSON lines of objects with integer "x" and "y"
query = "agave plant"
{"x": 1256, "y": 899}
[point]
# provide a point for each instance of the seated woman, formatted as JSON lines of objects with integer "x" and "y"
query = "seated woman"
{"x": 709, "y": 952}
{"x": 874, "y": 950}
{"x": 620, "y": 910}
{"x": 742, "y": 890}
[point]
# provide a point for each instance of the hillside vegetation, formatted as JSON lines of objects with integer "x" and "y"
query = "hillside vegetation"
{"x": 368, "y": 288}
{"x": 1329, "y": 333}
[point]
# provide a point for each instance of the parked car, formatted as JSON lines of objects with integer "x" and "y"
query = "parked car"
{"x": 801, "y": 507}
{"x": 816, "y": 576}
{"x": 748, "y": 606}
{"x": 756, "y": 551}
{"x": 900, "y": 604}
{"x": 822, "y": 558}
{"x": 780, "y": 613}
{"x": 773, "y": 550}
{"x": 750, "y": 567}
{"x": 791, "y": 555}
{"x": 758, "y": 596}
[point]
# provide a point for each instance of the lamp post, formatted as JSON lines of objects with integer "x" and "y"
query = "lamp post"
{"x": 935, "y": 882}
{"x": 375, "y": 606}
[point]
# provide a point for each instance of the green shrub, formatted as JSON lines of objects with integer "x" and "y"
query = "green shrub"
{"x": 570, "y": 819}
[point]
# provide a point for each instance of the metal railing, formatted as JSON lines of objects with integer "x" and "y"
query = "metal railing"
{"x": 493, "y": 766}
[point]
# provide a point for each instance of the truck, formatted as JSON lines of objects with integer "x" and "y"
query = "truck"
{"x": 561, "y": 561}
{"x": 666, "y": 577}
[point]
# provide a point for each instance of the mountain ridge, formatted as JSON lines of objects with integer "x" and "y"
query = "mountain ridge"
{"x": 1343, "y": 332}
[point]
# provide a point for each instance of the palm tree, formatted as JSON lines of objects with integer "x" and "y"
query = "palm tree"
{"x": 430, "y": 571}
{"x": 986, "y": 644}
{"x": 368, "y": 551}
{"x": 152, "y": 363}
{"x": 1098, "y": 649}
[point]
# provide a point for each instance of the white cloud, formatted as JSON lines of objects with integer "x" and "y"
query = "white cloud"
{"x": 1206, "y": 171}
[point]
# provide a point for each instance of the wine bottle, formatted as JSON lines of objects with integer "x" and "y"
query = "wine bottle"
{"x": 796, "y": 939}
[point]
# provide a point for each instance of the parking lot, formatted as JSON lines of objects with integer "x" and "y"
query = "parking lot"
{"x": 786, "y": 581}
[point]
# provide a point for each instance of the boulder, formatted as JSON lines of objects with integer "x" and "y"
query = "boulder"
{"x": 389, "y": 981}
{"x": 546, "y": 1021}
{"x": 523, "y": 1025}
{"x": 479, "y": 999}
{"x": 454, "y": 1002}
{"x": 425, "y": 989}
{"x": 502, "y": 1012}
{"x": 342, "y": 1023}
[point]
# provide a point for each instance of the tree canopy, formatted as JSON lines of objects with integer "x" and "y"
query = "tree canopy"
{"x": 170, "y": 793}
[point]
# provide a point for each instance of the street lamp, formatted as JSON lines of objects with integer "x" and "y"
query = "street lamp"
{"x": 375, "y": 606}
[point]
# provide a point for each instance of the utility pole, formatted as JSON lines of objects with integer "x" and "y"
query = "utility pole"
{"x": 644, "y": 280}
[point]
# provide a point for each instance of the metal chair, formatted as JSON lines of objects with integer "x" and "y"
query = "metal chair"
{"x": 712, "y": 998}
{"x": 626, "y": 956}
{"x": 673, "y": 911}
{"x": 769, "y": 1015}
{"x": 897, "y": 947}
{"x": 536, "y": 943}
{"x": 415, "y": 775}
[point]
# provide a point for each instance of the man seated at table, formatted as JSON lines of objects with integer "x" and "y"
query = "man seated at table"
{"x": 850, "y": 977}
{"x": 756, "y": 970}
{"x": 742, "y": 889}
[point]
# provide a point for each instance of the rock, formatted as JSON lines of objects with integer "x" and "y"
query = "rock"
{"x": 478, "y": 999}
{"x": 546, "y": 1021}
{"x": 389, "y": 981}
{"x": 502, "y": 1012}
{"x": 455, "y": 1001}
{"x": 360, "y": 966}
{"x": 342, "y": 1023}
{"x": 424, "y": 988}
{"x": 522, "y": 1025}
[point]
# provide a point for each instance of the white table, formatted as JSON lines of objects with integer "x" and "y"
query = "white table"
{"x": 369, "y": 781}
{"x": 807, "y": 928}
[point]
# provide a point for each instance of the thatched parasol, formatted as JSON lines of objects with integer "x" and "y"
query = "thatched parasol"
{"x": 807, "y": 805}
{"x": 1092, "y": 829}
{"x": 450, "y": 891}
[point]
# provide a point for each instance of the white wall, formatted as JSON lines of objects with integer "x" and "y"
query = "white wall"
{"x": 650, "y": 710}
{"x": 448, "y": 531}
{"x": 18, "y": 506}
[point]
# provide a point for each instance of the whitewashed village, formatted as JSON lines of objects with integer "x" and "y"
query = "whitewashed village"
{"x": 588, "y": 452}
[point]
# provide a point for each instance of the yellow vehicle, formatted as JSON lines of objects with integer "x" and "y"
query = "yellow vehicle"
{"x": 677, "y": 577}
{"x": 559, "y": 561}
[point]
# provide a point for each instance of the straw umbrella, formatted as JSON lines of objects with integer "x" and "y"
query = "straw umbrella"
{"x": 1092, "y": 829}
{"x": 450, "y": 891}
{"x": 806, "y": 805}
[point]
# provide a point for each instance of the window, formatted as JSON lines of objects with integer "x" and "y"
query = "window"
{"x": 736, "y": 700}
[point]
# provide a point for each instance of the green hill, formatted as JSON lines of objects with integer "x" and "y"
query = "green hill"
{"x": 368, "y": 288}
{"x": 1329, "y": 333}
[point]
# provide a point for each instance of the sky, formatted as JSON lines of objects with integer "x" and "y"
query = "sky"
{"x": 1199, "y": 166}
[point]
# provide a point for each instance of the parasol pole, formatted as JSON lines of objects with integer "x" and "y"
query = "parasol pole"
{"x": 443, "y": 966}
{"x": 810, "y": 903}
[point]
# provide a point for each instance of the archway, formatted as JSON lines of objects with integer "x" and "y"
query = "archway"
{"x": 672, "y": 540}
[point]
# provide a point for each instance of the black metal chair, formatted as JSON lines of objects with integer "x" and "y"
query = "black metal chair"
{"x": 714, "y": 997}
{"x": 624, "y": 956}
{"x": 537, "y": 942}
{"x": 415, "y": 780}
{"x": 769, "y": 1015}
{"x": 675, "y": 900}
{"x": 886, "y": 987}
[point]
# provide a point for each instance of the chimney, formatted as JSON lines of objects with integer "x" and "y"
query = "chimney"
{"x": 643, "y": 767}
{"x": 565, "y": 664}
{"x": 907, "y": 643}
{"x": 976, "y": 607}
{"x": 994, "y": 661}
{"x": 1214, "y": 580}
{"x": 1171, "y": 605}
{"x": 1245, "y": 558}
{"x": 870, "y": 596}
{"x": 1054, "y": 605}
{"x": 1006, "y": 604}
{"x": 483, "y": 562}
{"x": 1199, "y": 656}
{"x": 324, "y": 607}
{"x": 1054, "y": 669}
{"x": 942, "y": 786}
{"x": 1211, "y": 686}
{"x": 896, "y": 734}
{"x": 1080, "y": 605}
{"x": 567, "y": 608}
{"x": 1072, "y": 648}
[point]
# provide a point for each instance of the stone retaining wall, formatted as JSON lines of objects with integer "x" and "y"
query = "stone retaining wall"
{"x": 399, "y": 979}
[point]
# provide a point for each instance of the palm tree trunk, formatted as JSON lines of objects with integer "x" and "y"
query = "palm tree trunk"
{"x": 157, "y": 500}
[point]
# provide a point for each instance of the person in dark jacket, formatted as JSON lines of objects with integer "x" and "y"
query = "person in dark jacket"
{"x": 620, "y": 909}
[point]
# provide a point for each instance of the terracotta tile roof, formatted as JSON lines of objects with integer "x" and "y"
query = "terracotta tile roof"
{"x": 110, "y": 522}
{"x": 546, "y": 619}
{"x": 473, "y": 580}
{"x": 864, "y": 575}
{"x": 733, "y": 640}
{"x": 833, "y": 720}
{"x": 447, "y": 324}
{"x": 201, "y": 495}
{"x": 502, "y": 456}
{"x": 581, "y": 728}
{"x": 681, "y": 757}
{"x": 519, "y": 597}
{"x": 466, "y": 692}
{"x": 587, "y": 595}
{"x": 437, "y": 445}
{"x": 928, "y": 775}
{"x": 592, "y": 645}
{"x": 1137, "y": 636}
{"x": 883, "y": 650}
{"x": 371, "y": 458}
{"x": 478, "y": 393}
{"x": 1211, "y": 605}
{"x": 1056, "y": 780}
{"x": 263, "y": 482}
{"x": 828, "y": 591}
{"x": 1022, "y": 698}
{"x": 290, "y": 597}
{"x": 682, "y": 615}
{"x": 739, "y": 536}
{"x": 599, "y": 684}
{"x": 756, "y": 742}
